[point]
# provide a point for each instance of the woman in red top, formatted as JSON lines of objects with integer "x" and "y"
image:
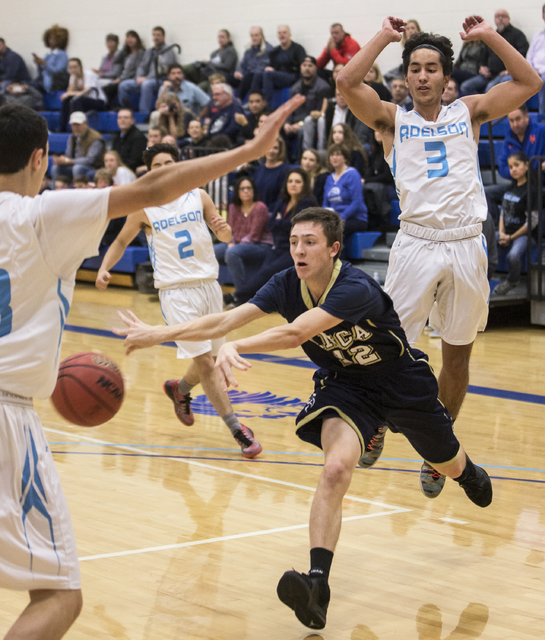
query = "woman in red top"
{"x": 251, "y": 241}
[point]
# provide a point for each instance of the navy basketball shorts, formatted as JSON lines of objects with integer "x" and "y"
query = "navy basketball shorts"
{"x": 406, "y": 401}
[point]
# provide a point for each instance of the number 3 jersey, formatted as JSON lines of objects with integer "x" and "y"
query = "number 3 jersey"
{"x": 368, "y": 342}
{"x": 180, "y": 243}
{"x": 436, "y": 169}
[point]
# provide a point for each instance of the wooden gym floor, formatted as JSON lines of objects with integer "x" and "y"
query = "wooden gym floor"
{"x": 180, "y": 538}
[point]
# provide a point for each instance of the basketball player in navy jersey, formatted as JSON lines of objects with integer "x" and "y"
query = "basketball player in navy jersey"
{"x": 369, "y": 376}
{"x": 438, "y": 263}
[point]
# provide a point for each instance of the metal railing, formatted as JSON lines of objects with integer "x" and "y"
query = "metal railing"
{"x": 218, "y": 189}
{"x": 535, "y": 269}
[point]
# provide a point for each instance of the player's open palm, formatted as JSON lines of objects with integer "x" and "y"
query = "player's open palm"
{"x": 228, "y": 358}
{"x": 474, "y": 28}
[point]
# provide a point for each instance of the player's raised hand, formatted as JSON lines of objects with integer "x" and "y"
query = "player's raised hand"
{"x": 268, "y": 132}
{"x": 474, "y": 28}
{"x": 138, "y": 334}
{"x": 228, "y": 358}
{"x": 394, "y": 27}
{"x": 103, "y": 279}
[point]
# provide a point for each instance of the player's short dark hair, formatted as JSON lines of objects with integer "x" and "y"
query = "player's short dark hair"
{"x": 22, "y": 131}
{"x": 236, "y": 190}
{"x": 442, "y": 43}
{"x": 160, "y": 147}
{"x": 332, "y": 224}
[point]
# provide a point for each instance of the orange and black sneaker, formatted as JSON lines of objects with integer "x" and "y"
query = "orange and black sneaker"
{"x": 373, "y": 449}
{"x": 431, "y": 481}
{"x": 249, "y": 446}
{"x": 182, "y": 404}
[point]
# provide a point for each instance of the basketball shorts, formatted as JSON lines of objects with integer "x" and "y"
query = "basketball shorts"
{"x": 37, "y": 544}
{"x": 189, "y": 302}
{"x": 405, "y": 401}
{"x": 443, "y": 280}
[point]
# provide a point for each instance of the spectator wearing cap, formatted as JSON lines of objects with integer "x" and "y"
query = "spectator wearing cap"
{"x": 340, "y": 48}
{"x": 307, "y": 121}
{"x": 12, "y": 67}
{"x": 129, "y": 142}
{"x": 84, "y": 150}
{"x": 283, "y": 70}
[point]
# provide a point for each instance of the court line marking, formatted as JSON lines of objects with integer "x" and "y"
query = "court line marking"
{"x": 453, "y": 520}
{"x": 194, "y": 543}
{"x": 222, "y": 470}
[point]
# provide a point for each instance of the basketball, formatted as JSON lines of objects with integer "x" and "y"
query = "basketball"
{"x": 89, "y": 389}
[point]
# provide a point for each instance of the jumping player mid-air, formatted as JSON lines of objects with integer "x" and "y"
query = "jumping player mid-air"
{"x": 369, "y": 377}
{"x": 185, "y": 272}
{"x": 438, "y": 264}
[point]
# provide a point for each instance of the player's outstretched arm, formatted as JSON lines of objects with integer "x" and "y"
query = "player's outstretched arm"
{"x": 506, "y": 96}
{"x": 139, "y": 335}
{"x": 166, "y": 184}
{"x": 362, "y": 99}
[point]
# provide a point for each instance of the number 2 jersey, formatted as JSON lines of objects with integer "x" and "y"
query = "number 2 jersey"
{"x": 368, "y": 342}
{"x": 436, "y": 169}
{"x": 180, "y": 243}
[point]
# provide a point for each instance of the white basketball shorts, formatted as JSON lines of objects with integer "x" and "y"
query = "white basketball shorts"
{"x": 443, "y": 277}
{"x": 188, "y": 302}
{"x": 37, "y": 544}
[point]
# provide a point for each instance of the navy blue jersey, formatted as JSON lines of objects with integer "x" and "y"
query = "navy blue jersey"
{"x": 368, "y": 342}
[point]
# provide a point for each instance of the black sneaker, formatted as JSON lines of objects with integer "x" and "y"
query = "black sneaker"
{"x": 308, "y": 597}
{"x": 479, "y": 488}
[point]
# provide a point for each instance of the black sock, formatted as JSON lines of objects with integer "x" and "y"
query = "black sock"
{"x": 470, "y": 471}
{"x": 320, "y": 562}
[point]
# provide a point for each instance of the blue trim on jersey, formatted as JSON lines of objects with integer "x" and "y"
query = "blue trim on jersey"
{"x": 64, "y": 308}
{"x": 33, "y": 494}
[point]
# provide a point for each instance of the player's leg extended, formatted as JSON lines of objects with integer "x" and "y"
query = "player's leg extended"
{"x": 454, "y": 376}
{"x": 220, "y": 401}
{"x": 49, "y": 615}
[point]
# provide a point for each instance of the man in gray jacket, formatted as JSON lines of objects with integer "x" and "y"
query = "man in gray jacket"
{"x": 147, "y": 75}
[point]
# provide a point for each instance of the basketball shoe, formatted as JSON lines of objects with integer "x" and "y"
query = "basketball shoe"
{"x": 373, "y": 449}
{"x": 431, "y": 481}
{"x": 479, "y": 488}
{"x": 182, "y": 404}
{"x": 308, "y": 596}
{"x": 249, "y": 446}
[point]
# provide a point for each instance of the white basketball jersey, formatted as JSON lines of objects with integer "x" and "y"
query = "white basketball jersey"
{"x": 436, "y": 169}
{"x": 42, "y": 243}
{"x": 180, "y": 244}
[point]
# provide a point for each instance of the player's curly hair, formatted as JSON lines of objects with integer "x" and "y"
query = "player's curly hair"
{"x": 61, "y": 36}
{"x": 442, "y": 43}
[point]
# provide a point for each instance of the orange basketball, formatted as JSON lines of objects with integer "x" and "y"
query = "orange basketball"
{"x": 89, "y": 389}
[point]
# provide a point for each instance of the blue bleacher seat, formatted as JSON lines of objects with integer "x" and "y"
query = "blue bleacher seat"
{"x": 357, "y": 242}
{"x": 58, "y": 142}
{"x": 52, "y": 100}
{"x": 503, "y": 264}
{"x": 279, "y": 97}
{"x": 127, "y": 264}
{"x": 53, "y": 119}
{"x": 533, "y": 103}
{"x": 484, "y": 152}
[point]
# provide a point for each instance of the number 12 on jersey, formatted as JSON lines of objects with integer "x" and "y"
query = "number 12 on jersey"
{"x": 441, "y": 159}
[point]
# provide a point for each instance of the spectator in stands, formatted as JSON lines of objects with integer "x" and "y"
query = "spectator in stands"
{"x": 129, "y": 142}
{"x": 311, "y": 164}
{"x": 52, "y": 68}
{"x": 411, "y": 27}
{"x": 343, "y": 191}
{"x": 451, "y": 93}
{"x": 121, "y": 174}
{"x": 536, "y": 57}
{"x": 342, "y": 134}
{"x": 306, "y": 124}
{"x": 155, "y": 135}
{"x": 340, "y": 48}
{"x": 284, "y": 68}
{"x": 524, "y": 135}
{"x": 468, "y": 62}
{"x": 62, "y": 182}
{"x": 375, "y": 80}
{"x": 492, "y": 70}
{"x": 513, "y": 228}
{"x": 255, "y": 59}
{"x": 251, "y": 241}
{"x": 84, "y": 151}
{"x": 338, "y": 112}
{"x": 131, "y": 57}
{"x": 379, "y": 184}
{"x": 12, "y": 67}
{"x": 400, "y": 94}
{"x": 171, "y": 115}
{"x": 269, "y": 176}
{"x": 193, "y": 145}
{"x": 257, "y": 105}
{"x": 222, "y": 60}
{"x": 81, "y": 182}
{"x": 83, "y": 93}
{"x": 189, "y": 94}
{"x": 103, "y": 179}
{"x": 295, "y": 196}
{"x": 150, "y": 73}
{"x": 111, "y": 64}
{"x": 222, "y": 118}
{"x": 378, "y": 169}
{"x": 22, "y": 94}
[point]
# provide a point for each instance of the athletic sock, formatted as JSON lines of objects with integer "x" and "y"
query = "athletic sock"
{"x": 232, "y": 422}
{"x": 184, "y": 388}
{"x": 470, "y": 471}
{"x": 320, "y": 562}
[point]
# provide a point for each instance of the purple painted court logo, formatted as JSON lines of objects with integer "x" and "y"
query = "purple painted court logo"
{"x": 253, "y": 405}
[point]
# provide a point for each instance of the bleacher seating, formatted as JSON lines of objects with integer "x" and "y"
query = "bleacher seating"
{"x": 127, "y": 264}
{"x": 357, "y": 242}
